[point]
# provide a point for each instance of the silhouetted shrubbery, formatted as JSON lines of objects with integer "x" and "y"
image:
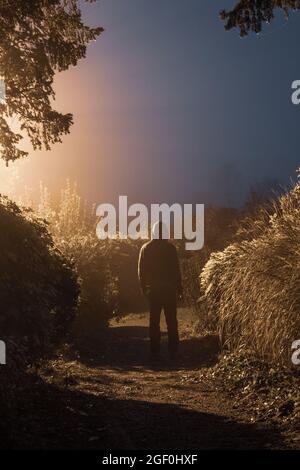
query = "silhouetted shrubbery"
{"x": 38, "y": 292}
{"x": 38, "y": 286}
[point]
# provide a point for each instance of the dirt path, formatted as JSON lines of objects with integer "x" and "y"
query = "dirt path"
{"x": 115, "y": 398}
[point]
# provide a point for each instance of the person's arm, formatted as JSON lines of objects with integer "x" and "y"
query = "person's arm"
{"x": 141, "y": 270}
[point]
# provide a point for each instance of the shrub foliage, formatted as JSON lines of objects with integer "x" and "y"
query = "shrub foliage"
{"x": 38, "y": 286}
{"x": 251, "y": 290}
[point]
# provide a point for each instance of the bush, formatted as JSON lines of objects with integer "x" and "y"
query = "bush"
{"x": 107, "y": 269}
{"x": 251, "y": 290}
{"x": 73, "y": 227}
{"x": 98, "y": 288}
{"x": 123, "y": 261}
{"x": 38, "y": 287}
{"x": 220, "y": 225}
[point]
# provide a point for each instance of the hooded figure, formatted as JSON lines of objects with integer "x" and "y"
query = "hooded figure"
{"x": 160, "y": 280}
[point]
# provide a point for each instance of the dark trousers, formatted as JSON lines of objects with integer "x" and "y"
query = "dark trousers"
{"x": 167, "y": 302}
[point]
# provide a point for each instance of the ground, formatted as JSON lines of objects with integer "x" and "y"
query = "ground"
{"x": 112, "y": 397}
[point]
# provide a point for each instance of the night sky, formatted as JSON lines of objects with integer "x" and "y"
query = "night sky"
{"x": 170, "y": 107}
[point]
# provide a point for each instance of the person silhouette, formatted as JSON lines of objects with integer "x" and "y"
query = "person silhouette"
{"x": 160, "y": 280}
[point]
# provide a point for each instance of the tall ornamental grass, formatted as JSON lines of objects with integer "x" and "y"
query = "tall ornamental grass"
{"x": 251, "y": 290}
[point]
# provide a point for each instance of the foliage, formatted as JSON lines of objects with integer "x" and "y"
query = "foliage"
{"x": 107, "y": 269}
{"x": 220, "y": 225}
{"x": 249, "y": 15}
{"x": 37, "y": 39}
{"x": 123, "y": 261}
{"x": 38, "y": 286}
{"x": 268, "y": 392}
{"x": 251, "y": 289}
{"x": 72, "y": 225}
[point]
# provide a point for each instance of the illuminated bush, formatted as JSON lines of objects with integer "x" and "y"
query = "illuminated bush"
{"x": 251, "y": 290}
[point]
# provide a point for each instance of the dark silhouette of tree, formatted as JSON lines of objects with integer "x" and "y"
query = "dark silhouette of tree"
{"x": 37, "y": 39}
{"x": 249, "y": 15}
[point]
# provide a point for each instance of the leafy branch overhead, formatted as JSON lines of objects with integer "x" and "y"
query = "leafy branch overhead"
{"x": 37, "y": 39}
{"x": 249, "y": 15}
